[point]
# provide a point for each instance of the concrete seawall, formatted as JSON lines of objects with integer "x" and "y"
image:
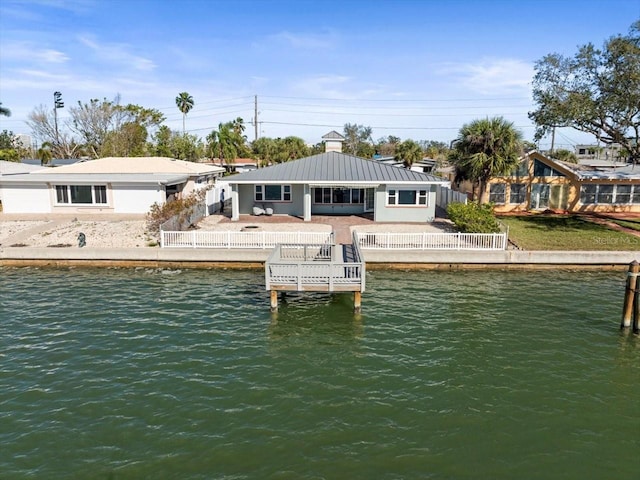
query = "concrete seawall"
{"x": 250, "y": 258}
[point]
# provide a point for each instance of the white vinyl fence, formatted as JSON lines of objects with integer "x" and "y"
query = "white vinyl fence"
{"x": 235, "y": 239}
{"x": 432, "y": 241}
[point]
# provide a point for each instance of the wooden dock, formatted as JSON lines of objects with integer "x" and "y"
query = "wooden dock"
{"x": 315, "y": 268}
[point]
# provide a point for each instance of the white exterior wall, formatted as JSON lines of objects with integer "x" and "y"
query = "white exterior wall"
{"x": 26, "y": 198}
{"x": 136, "y": 198}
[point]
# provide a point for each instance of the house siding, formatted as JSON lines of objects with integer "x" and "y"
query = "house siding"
{"x": 400, "y": 213}
{"x": 25, "y": 198}
{"x": 136, "y": 198}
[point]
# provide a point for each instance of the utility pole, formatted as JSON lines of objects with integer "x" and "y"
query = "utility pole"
{"x": 57, "y": 103}
{"x": 255, "y": 117}
{"x": 553, "y": 138}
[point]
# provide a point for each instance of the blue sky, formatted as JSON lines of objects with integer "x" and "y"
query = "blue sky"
{"x": 415, "y": 69}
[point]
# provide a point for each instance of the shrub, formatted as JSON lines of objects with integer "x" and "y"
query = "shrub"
{"x": 473, "y": 217}
{"x": 182, "y": 208}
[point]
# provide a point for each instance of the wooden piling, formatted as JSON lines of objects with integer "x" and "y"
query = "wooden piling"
{"x": 357, "y": 302}
{"x": 274, "y": 300}
{"x": 631, "y": 293}
{"x": 636, "y": 311}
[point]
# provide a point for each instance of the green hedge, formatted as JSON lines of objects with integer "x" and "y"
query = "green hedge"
{"x": 473, "y": 217}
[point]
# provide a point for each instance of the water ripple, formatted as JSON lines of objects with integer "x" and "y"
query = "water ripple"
{"x": 185, "y": 374}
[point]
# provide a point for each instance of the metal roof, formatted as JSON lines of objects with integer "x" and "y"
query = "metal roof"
{"x": 94, "y": 178}
{"x": 333, "y": 135}
{"x": 334, "y": 168}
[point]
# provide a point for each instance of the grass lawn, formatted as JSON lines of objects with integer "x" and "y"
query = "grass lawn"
{"x": 549, "y": 232}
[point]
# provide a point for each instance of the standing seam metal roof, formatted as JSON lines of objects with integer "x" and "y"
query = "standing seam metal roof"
{"x": 334, "y": 167}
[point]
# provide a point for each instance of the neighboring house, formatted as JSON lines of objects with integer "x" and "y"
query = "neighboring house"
{"x": 541, "y": 183}
{"x": 106, "y": 185}
{"x": 333, "y": 183}
{"x": 239, "y": 165}
{"x": 606, "y": 152}
{"x": 15, "y": 168}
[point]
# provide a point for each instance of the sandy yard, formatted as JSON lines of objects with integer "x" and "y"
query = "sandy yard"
{"x": 51, "y": 231}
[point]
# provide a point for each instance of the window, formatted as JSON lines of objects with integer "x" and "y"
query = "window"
{"x": 272, "y": 193}
{"x": 543, "y": 170}
{"x": 627, "y": 194}
{"x": 588, "y": 194}
{"x": 62, "y": 194}
{"x": 623, "y": 193}
{"x": 522, "y": 170}
{"x": 100, "y": 192}
{"x": 518, "y": 193}
{"x": 81, "y": 194}
{"x": 496, "y": 192}
{"x": 334, "y": 195}
{"x": 605, "y": 193}
{"x": 407, "y": 197}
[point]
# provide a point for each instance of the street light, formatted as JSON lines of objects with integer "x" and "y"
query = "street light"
{"x": 57, "y": 103}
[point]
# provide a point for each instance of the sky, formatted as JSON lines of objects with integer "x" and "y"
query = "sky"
{"x": 414, "y": 69}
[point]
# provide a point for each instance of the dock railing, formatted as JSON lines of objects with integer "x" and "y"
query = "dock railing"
{"x": 235, "y": 239}
{"x": 315, "y": 267}
{"x": 431, "y": 241}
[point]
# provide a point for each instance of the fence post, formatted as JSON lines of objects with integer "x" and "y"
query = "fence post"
{"x": 193, "y": 239}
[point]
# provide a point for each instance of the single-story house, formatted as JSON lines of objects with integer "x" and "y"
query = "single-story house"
{"x": 105, "y": 185}
{"x": 15, "y": 168}
{"x": 541, "y": 183}
{"x": 334, "y": 183}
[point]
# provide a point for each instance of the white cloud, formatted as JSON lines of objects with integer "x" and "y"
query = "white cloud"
{"x": 26, "y": 52}
{"x": 305, "y": 40}
{"x": 117, "y": 53}
{"x": 492, "y": 76}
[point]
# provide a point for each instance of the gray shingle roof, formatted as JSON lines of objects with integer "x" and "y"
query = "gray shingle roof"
{"x": 333, "y": 167}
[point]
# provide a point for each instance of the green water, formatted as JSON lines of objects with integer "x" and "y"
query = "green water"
{"x": 128, "y": 374}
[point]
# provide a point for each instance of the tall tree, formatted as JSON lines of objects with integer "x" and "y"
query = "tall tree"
{"x": 184, "y": 101}
{"x": 357, "y": 140}
{"x": 409, "y": 152}
{"x": 4, "y": 111}
{"x": 596, "y": 91}
{"x": 42, "y": 124}
{"x": 264, "y": 148}
{"x": 102, "y": 127}
{"x": 486, "y": 148}
{"x": 44, "y": 154}
{"x": 8, "y": 150}
{"x": 226, "y": 143}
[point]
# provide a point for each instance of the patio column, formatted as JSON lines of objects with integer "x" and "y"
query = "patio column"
{"x": 235, "y": 203}
{"x": 307, "y": 203}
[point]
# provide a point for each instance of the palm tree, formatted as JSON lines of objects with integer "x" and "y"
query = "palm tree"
{"x": 409, "y": 152}
{"x": 184, "y": 101}
{"x": 4, "y": 111}
{"x": 44, "y": 154}
{"x": 485, "y": 149}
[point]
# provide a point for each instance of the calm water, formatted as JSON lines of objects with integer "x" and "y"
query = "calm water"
{"x": 127, "y": 374}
